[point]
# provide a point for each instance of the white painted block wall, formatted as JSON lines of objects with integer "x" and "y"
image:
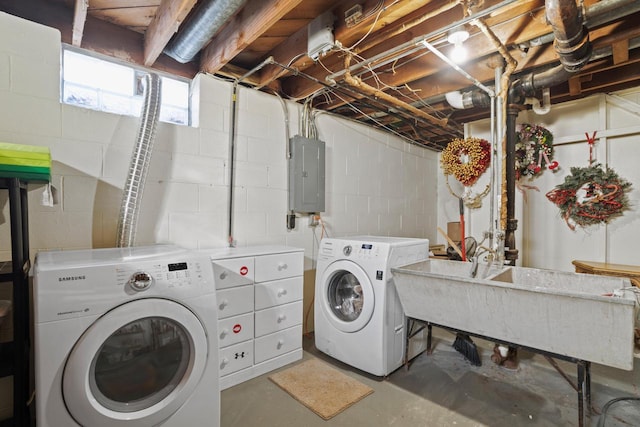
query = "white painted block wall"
{"x": 376, "y": 183}
{"x": 543, "y": 238}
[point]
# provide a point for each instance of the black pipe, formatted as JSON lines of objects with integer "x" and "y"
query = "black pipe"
{"x": 510, "y": 251}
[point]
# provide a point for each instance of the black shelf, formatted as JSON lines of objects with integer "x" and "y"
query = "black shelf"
{"x": 15, "y": 355}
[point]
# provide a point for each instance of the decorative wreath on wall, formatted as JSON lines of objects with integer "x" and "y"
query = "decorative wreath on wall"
{"x": 591, "y": 196}
{"x": 466, "y": 159}
{"x": 533, "y": 145}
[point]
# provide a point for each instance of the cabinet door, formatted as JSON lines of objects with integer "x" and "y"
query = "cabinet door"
{"x": 233, "y": 272}
{"x": 279, "y": 266}
{"x": 235, "y": 329}
{"x": 278, "y": 292}
{"x": 278, "y": 318}
{"x": 281, "y": 342}
{"x": 236, "y": 357}
{"x": 234, "y": 301}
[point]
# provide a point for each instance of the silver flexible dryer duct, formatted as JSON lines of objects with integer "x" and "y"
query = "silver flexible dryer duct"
{"x": 132, "y": 195}
{"x": 203, "y": 23}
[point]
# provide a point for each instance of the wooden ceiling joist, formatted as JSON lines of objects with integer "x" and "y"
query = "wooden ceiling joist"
{"x": 165, "y": 23}
{"x": 79, "y": 18}
{"x": 253, "y": 21}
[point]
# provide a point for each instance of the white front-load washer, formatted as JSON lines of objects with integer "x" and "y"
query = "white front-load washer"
{"x": 125, "y": 337}
{"x": 358, "y": 316}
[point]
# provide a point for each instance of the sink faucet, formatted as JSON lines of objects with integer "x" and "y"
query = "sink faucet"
{"x": 474, "y": 266}
{"x": 474, "y": 259}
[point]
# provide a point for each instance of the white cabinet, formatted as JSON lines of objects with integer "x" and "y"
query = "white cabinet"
{"x": 259, "y": 294}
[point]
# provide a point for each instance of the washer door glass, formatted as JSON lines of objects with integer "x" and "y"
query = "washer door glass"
{"x": 347, "y": 295}
{"x": 136, "y": 365}
{"x": 140, "y": 364}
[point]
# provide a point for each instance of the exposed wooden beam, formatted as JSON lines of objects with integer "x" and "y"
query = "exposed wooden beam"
{"x": 509, "y": 28}
{"x": 99, "y": 36}
{"x": 79, "y": 18}
{"x": 252, "y": 21}
{"x": 166, "y": 21}
{"x": 293, "y": 51}
{"x": 620, "y": 51}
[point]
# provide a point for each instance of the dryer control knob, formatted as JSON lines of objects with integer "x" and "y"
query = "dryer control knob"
{"x": 347, "y": 250}
{"x": 140, "y": 281}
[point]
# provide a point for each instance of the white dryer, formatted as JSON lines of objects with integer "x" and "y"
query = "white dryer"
{"x": 125, "y": 337}
{"x": 358, "y": 316}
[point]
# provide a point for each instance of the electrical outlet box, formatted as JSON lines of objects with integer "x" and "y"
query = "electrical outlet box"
{"x": 353, "y": 16}
{"x": 306, "y": 175}
{"x": 320, "y": 38}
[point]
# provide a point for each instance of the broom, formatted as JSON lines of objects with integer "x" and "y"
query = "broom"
{"x": 463, "y": 343}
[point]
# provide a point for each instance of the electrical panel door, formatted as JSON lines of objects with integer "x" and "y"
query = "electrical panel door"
{"x": 306, "y": 175}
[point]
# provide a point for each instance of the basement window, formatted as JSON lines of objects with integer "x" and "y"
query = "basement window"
{"x": 103, "y": 85}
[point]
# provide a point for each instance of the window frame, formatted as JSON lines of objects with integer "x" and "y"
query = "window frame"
{"x": 138, "y": 71}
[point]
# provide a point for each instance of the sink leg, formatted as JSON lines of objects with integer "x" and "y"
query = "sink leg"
{"x": 406, "y": 344}
{"x": 429, "y": 336}
{"x": 581, "y": 384}
{"x": 587, "y": 388}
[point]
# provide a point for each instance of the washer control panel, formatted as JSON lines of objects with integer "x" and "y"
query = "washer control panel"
{"x": 363, "y": 250}
{"x": 141, "y": 277}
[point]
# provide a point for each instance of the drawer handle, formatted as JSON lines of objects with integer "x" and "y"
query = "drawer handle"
{"x": 280, "y": 344}
{"x": 223, "y": 275}
{"x": 223, "y": 304}
{"x": 282, "y": 318}
{"x": 282, "y": 292}
{"x": 282, "y": 266}
{"x": 224, "y": 362}
{"x": 224, "y": 333}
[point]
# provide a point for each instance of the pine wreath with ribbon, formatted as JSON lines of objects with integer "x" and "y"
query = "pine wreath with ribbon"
{"x": 466, "y": 159}
{"x": 534, "y": 144}
{"x": 590, "y": 196}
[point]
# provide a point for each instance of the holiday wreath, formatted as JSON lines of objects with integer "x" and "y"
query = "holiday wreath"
{"x": 533, "y": 144}
{"x": 590, "y": 196}
{"x": 466, "y": 159}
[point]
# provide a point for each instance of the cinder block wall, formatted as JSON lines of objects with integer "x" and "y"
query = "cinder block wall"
{"x": 376, "y": 182}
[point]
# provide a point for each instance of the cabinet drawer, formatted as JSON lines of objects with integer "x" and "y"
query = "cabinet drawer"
{"x": 282, "y": 342}
{"x": 235, "y": 329}
{"x": 278, "y": 318}
{"x": 278, "y": 292}
{"x": 279, "y": 266}
{"x": 236, "y": 357}
{"x": 234, "y": 301}
{"x": 233, "y": 272}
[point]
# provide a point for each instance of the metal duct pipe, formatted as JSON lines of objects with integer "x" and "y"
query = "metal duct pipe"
{"x": 132, "y": 195}
{"x": 203, "y": 23}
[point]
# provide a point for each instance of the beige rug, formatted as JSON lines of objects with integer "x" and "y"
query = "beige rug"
{"x": 321, "y": 388}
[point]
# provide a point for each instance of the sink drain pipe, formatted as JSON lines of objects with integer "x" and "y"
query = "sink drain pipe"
{"x": 571, "y": 41}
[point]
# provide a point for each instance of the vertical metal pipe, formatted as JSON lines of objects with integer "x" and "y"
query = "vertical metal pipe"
{"x": 232, "y": 151}
{"x": 232, "y": 141}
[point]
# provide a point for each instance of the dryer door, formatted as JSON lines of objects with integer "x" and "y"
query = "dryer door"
{"x": 136, "y": 365}
{"x": 348, "y": 298}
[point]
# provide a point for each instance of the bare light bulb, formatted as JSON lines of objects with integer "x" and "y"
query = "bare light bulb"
{"x": 457, "y": 38}
{"x": 458, "y": 53}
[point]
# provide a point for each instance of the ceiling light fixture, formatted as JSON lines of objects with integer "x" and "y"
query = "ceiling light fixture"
{"x": 457, "y": 37}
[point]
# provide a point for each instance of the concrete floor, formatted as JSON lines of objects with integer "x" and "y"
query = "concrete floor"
{"x": 442, "y": 389}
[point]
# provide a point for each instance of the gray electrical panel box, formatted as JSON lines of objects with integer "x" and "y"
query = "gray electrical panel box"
{"x": 306, "y": 175}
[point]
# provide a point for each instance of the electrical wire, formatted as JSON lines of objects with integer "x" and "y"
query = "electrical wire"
{"x": 375, "y": 21}
{"x": 605, "y": 408}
